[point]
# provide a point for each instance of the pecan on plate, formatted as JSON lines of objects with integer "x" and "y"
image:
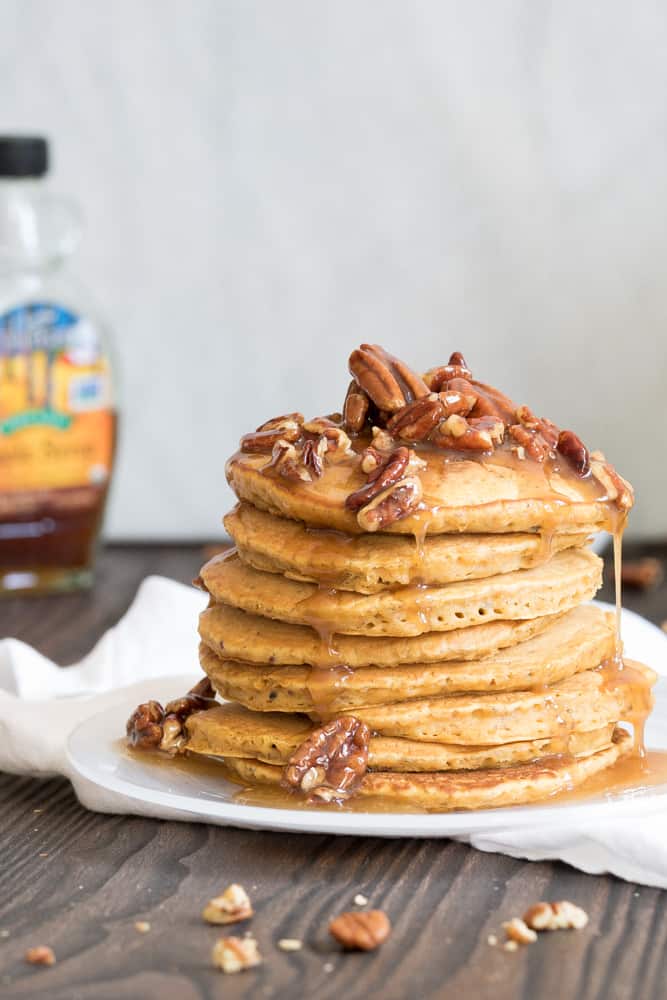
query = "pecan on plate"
{"x": 144, "y": 727}
{"x": 152, "y": 727}
{"x": 355, "y": 408}
{"x": 575, "y": 451}
{"x": 391, "y": 505}
{"x": 287, "y": 428}
{"x": 416, "y": 420}
{"x": 331, "y": 763}
{"x": 361, "y": 931}
{"x": 386, "y": 474}
{"x": 386, "y": 380}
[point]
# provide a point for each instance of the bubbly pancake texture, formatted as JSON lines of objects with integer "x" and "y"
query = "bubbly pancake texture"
{"x": 578, "y": 641}
{"x": 369, "y": 564}
{"x": 238, "y": 635}
{"x": 583, "y": 702}
{"x": 446, "y": 791}
{"x": 232, "y": 731}
{"x": 566, "y": 580}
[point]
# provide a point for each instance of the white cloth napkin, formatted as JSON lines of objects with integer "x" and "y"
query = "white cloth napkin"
{"x": 41, "y": 704}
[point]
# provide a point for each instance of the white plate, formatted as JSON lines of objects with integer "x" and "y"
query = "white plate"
{"x": 106, "y": 777}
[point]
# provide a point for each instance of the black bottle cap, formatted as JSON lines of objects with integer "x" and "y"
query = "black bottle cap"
{"x": 23, "y": 156}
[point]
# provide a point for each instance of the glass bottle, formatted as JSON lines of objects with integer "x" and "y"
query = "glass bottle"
{"x": 57, "y": 411}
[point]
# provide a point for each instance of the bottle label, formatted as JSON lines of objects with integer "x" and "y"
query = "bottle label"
{"x": 57, "y": 421}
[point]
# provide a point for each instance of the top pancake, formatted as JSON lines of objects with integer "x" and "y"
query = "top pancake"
{"x": 368, "y": 563}
{"x": 459, "y": 495}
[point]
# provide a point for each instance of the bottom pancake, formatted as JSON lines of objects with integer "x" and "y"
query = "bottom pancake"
{"x": 272, "y": 737}
{"x": 519, "y": 784}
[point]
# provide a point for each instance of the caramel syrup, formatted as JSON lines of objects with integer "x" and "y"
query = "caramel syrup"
{"x": 554, "y": 485}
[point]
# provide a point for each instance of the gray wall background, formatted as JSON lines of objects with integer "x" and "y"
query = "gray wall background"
{"x": 268, "y": 183}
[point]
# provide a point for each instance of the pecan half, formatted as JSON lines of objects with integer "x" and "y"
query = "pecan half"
{"x": 386, "y": 380}
{"x": 386, "y": 474}
{"x": 391, "y": 505}
{"x": 355, "y": 408}
{"x": 575, "y": 451}
{"x": 361, "y": 931}
{"x": 416, "y": 420}
{"x": 287, "y": 427}
{"x": 313, "y": 455}
{"x": 331, "y": 762}
{"x": 144, "y": 727}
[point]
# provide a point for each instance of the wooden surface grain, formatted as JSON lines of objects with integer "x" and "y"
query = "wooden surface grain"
{"x": 78, "y": 881}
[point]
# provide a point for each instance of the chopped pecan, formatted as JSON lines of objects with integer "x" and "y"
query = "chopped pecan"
{"x": 371, "y": 458}
{"x": 144, "y": 727}
{"x": 491, "y": 403}
{"x": 386, "y": 380}
{"x": 391, "y": 505}
{"x": 518, "y": 931}
{"x": 382, "y": 439}
{"x": 469, "y": 433}
{"x": 532, "y": 442}
{"x": 232, "y": 906}
{"x": 555, "y": 916}
{"x": 355, "y": 408}
{"x": 287, "y": 428}
{"x": 287, "y": 461}
{"x": 386, "y": 474}
{"x": 617, "y": 488}
{"x": 361, "y": 931}
{"x": 575, "y": 451}
{"x": 333, "y": 759}
{"x": 416, "y": 420}
{"x": 234, "y": 954}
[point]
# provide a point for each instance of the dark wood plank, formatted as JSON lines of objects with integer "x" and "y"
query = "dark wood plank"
{"x": 78, "y": 881}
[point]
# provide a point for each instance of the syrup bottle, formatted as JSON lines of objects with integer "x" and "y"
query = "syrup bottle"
{"x": 57, "y": 411}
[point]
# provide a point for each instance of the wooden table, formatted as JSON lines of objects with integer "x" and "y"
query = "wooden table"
{"x": 78, "y": 881}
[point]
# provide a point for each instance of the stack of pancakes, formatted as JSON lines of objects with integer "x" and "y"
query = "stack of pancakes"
{"x": 459, "y": 634}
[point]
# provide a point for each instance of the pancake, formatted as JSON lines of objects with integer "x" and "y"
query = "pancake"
{"x": 231, "y": 731}
{"x": 566, "y": 580}
{"x": 577, "y": 641}
{"x": 237, "y": 635}
{"x": 369, "y": 563}
{"x": 519, "y": 784}
{"x": 488, "y": 494}
{"x": 586, "y": 701}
